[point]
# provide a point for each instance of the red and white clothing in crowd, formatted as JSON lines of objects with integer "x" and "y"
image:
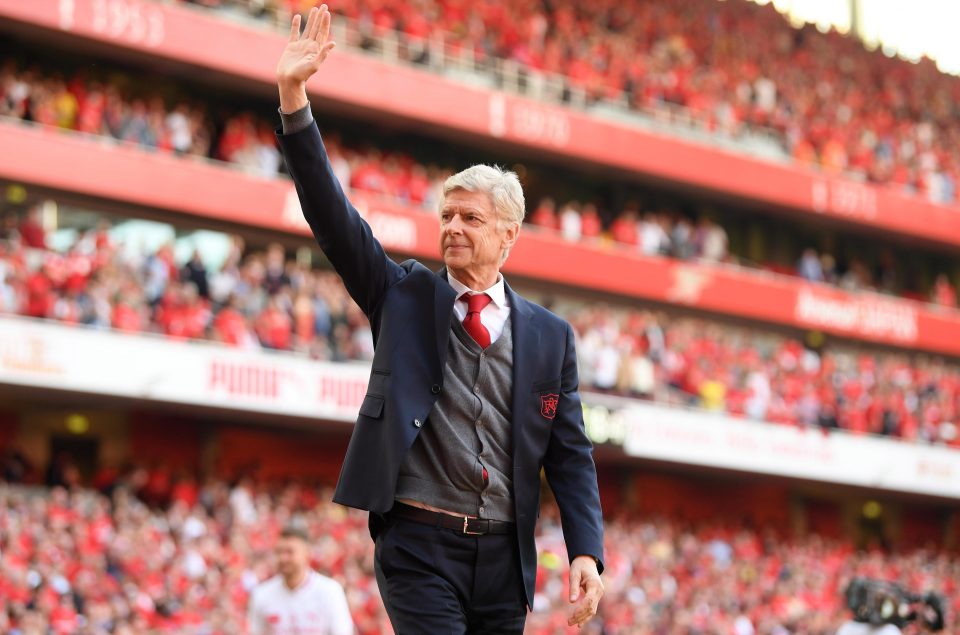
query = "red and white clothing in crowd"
{"x": 317, "y": 607}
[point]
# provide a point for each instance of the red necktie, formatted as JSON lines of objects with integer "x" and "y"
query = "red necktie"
{"x": 472, "y": 323}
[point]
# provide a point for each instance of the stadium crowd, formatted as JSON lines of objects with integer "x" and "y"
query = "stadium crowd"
{"x": 261, "y": 298}
{"x": 121, "y": 109}
{"x": 186, "y": 128}
{"x": 731, "y": 66}
{"x": 150, "y": 552}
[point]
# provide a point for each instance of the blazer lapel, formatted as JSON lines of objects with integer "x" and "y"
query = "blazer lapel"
{"x": 443, "y": 298}
{"x": 526, "y": 341}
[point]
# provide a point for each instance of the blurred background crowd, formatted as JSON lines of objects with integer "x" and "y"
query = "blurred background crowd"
{"x": 734, "y": 67}
{"x": 121, "y": 108}
{"x": 147, "y": 551}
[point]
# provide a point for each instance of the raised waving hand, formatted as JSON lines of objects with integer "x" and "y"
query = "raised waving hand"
{"x": 302, "y": 57}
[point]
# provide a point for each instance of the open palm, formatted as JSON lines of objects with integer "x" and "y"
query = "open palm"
{"x": 305, "y": 52}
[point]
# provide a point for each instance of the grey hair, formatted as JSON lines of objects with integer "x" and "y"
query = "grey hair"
{"x": 502, "y": 186}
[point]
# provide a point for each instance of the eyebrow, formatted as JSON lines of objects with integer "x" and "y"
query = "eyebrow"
{"x": 462, "y": 209}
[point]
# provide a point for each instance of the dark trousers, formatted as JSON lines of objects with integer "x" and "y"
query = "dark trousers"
{"x": 438, "y": 581}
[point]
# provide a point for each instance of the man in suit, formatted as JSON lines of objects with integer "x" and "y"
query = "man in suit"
{"x": 473, "y": 390}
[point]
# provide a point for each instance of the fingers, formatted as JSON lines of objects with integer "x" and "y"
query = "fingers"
{"x": 313, "y": 24}
{"x": 594, "y": 593}
{"x": 574, "y": 583}
{"x": 326, "y": 50}
{"x": 589, "y": 601}
{"x": 581, "y": 613}
{"x": 324, "y": 32}
{"x": 295, "y": 28}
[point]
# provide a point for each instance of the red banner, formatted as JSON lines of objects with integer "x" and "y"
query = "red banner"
{"x": 363, "y": 83}
{"x": 71, "y": 163}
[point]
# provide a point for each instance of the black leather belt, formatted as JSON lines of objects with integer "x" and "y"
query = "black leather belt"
{"x": 462, "y": 524}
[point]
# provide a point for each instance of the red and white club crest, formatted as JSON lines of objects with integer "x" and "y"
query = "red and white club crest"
{"x": 548, "y": 405}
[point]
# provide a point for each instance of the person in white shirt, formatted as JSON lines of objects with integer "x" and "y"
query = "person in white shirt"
{"x": 862, "y": 628}
{"x": 571, "y": 223}
{"x": 298, "y": 600}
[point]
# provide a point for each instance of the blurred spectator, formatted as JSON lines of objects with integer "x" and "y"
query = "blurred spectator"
{"x": 943, "y": 292}
{"x": 195, "y": 273}
{"x": 571, "y": 223}
{"x": 31, "y": 230}
{"x": 545, "y": 215}
{"x": 710, "y": 241}
{"x": 809, "y": 267}
{"x": 624, "y": 229}
{"x": 654, "y": 240}
{"x": 298, "y": 598}
{"x": 590, "y": 226}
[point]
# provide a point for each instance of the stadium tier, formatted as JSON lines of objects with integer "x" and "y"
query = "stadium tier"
{"x": 255, "y": 299}
{"x": 754, "y": 245}
{"x": 100, "y": 107}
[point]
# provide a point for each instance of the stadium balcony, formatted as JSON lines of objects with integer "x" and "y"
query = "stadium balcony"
{"x": 61, "y": 161}
{"x": 294, "y": 390}
{"x": 359, "y": 79}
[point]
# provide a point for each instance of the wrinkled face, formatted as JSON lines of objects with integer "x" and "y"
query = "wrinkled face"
{"x": 471, "y": 239}
{"x": 291, "y": 555}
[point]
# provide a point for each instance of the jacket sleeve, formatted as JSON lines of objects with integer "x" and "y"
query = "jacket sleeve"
{"x": 570, "y": 470}
{"x": 344, "y": 237}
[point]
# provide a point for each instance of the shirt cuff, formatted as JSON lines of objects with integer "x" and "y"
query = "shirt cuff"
{"x": 297, "y": 120}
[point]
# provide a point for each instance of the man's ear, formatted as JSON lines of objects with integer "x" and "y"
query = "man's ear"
{"x": 511, "y": 235}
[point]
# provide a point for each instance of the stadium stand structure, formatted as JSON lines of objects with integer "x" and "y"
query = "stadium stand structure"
{"x": 717, "y": 522}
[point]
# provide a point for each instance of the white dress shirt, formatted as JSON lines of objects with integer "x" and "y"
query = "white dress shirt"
{"x": 494, "y": 316}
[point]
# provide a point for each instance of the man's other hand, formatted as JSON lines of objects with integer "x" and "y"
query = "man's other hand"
{"x": 302, "y": 57}
{"x": 586, "y": 589}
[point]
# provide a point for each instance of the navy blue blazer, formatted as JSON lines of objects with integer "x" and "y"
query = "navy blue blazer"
{"x": 409, "y": 308}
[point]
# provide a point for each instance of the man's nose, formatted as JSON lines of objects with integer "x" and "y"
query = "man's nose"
{"x": 455, "y": 225}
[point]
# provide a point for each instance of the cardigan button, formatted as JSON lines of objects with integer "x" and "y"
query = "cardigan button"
{"x": 417, "y": 422}
{"x": 435, "y": 389}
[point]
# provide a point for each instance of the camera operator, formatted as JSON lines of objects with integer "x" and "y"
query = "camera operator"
{"x": 883, "y": 608}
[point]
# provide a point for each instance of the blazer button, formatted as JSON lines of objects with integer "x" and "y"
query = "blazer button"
{"x": 417, "y": 422}
{"x": 435, "y": 389}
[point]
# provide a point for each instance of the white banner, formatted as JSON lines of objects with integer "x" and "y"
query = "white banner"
{"x": 698, "y": 438}
{"x": 47, "y": 355}
{"x": 54, "y": 356}
{"x": 869, "y": 314}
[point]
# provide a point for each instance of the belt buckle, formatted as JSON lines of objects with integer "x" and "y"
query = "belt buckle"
{"x": 466, "y": 532}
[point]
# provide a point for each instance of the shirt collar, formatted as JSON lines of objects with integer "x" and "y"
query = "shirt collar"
{"x": 497, "y": 292}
